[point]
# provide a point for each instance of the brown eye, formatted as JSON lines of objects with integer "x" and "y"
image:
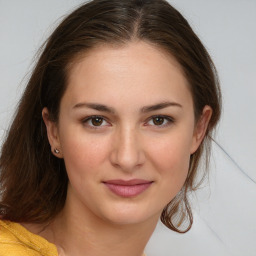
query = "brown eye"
{"x": 97, "y": 121}
{"x": 158, "y": 120}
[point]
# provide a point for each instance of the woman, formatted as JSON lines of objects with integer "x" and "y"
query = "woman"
{"x": 108, "y": 134}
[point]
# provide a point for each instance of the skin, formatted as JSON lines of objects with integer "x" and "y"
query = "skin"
{"x": 129, "y": 141}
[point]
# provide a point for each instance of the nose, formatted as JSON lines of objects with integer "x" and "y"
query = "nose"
{"x": 127, "y": 152}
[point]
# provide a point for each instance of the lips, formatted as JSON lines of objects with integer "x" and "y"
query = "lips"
{"x": 128, "y": 188}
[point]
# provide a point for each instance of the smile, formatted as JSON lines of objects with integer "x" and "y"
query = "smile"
{"x": 130, "y": 188}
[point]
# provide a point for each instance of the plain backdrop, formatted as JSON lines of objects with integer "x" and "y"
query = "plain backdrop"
{"x": 224, "y": 209}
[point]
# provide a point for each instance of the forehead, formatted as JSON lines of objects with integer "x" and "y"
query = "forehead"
{"x": 138, "y": 71}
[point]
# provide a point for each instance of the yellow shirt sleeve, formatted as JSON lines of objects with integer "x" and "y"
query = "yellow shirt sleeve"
{"x": 15, "y": 240}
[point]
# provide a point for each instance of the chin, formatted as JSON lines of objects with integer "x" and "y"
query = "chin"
{"x": 130, "y": 215}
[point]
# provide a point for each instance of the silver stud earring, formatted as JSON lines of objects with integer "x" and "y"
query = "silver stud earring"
{"x": 56, "y": 151}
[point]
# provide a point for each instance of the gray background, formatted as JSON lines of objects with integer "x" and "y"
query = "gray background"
{"x": 224, "y": 211}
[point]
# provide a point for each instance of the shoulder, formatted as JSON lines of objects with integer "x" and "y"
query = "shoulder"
{"x": 15, "y": 240}
{"x": 9, "y": 242}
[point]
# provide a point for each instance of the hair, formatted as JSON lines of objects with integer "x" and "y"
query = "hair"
{"x": 33, "y": 181}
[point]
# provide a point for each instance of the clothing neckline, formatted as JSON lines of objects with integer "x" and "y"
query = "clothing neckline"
{"x": 34, "y": 241}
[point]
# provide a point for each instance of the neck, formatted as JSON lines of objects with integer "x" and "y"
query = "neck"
{"x": 91, "y": 235}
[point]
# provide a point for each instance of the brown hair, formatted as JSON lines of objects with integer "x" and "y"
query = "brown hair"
{"x": 33, "y": 181}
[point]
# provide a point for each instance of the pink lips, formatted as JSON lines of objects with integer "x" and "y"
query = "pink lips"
{"x": 129, "y": 188}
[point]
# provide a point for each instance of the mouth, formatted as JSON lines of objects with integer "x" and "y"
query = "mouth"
{"x": 127, "y": 188}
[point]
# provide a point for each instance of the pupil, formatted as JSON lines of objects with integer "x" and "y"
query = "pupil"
{"x": 97, "y": 121}
{"x": 158, "y": 120}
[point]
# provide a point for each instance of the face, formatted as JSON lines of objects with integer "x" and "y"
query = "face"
{"x": 126, "y": 131}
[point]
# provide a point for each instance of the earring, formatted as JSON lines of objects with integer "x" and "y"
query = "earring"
{"x": 56, "y": 151}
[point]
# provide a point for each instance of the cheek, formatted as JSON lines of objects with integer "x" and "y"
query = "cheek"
{"x": 83, "y": 154}
{"x": 171, "y": 158}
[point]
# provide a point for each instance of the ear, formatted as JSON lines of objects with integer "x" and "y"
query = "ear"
{"x": 201, "y": 128}
{"x": 52, "y": 133}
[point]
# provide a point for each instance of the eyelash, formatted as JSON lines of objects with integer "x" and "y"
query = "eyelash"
{"x": 167, "y": 121}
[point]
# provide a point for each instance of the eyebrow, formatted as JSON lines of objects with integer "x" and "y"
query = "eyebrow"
{"x": 145, "y": 109}
{"x": 95, "y": 106}
{"x": 159, "y": 106}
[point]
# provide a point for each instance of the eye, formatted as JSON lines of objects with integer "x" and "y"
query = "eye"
{"x": 95, "y": 121}
{"x": 161, "y": 121}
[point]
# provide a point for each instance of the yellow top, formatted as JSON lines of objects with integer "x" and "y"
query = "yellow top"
{"x": 15, "y": 240}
